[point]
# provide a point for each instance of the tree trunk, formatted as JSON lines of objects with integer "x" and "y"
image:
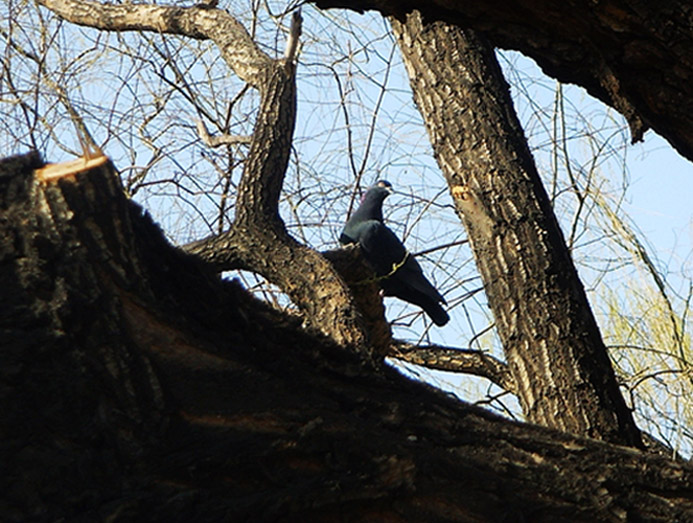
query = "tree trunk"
{"x": 135, "y": 385}
{"x": 636, "y": 56}
{"x": 552, "y": 343}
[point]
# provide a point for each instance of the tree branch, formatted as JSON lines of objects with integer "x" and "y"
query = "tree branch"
{"x": 217, "y": 141}
{"x": 294, "y": 35}
{"x": 451, "y": 359}
{"x": 551, "y": 340}
{"x": 235, "y": 44}
{"x": 257, "y": 239}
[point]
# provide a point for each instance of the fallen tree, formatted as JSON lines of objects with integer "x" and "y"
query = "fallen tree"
{"x": 136, "y": 384}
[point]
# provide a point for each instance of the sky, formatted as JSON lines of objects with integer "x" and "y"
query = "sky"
{"x": 661, "y": 198}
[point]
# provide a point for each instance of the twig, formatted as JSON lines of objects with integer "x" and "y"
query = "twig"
{"x": 294, "y": 34}
{"x": 223, "y": 139}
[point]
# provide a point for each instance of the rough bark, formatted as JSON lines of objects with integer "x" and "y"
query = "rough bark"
{"x": 135, "y": 385}
{"x": 551, "y": 340}
{"x": 257, "y": 240}
{"x": 452, "y": 359}
{"x": 636, "y": 56}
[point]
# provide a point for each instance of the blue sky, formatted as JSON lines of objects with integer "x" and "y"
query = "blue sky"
{"x": 661, "y": 197}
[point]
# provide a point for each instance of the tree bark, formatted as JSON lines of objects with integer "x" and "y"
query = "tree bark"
{"x": 551, "y": 340}
{"x": 257, "y": 240}
{"x": 136, "y": 385}
{"x": 636, "y": 56}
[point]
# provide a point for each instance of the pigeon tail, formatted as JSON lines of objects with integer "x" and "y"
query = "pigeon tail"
{"x": 402, "y": 289}
{"x": 436, "y": 313}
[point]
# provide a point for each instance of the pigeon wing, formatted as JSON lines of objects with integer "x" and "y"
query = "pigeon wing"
{"x": 404, "y": 277}
{"x": 412, "y": 273}
{"x": 381, "y": 247}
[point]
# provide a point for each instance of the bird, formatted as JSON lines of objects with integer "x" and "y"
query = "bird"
{"x": 398, "y": 272}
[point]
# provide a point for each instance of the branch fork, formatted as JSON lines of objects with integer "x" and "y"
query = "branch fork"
{"x": 257, "y": 240}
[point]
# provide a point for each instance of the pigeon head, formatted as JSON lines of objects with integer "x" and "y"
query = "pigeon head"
{"x": 378, "y": 192}
{"x": 371, "y": 208}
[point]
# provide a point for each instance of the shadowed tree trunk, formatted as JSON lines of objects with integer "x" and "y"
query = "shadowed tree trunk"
{"x": 136, "y": 385}
{"x": 551, "y": 340}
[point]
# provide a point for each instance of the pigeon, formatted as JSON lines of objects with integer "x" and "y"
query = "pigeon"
{"x": 399, "y": 273}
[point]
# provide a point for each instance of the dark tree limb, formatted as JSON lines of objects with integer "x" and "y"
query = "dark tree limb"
{"x": 636, "y": 56}
{"x": 467, "y": 361}
{"x": 257, "y": 240}
{"x": 135, "y": 385}
{"x": 553, "y": 346}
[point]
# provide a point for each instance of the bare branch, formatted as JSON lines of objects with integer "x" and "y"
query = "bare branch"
{"x": 217, "y": 141}
{"x": 235, "y": 44}
{"x": 451, "y": 359}
{"x": 294, "y": 34}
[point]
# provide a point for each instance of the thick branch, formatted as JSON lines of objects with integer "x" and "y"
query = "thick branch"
{"x": 309, "y": 280}
{"x": 268, "y": 158}
{"x": 466, "y": 361}
{"x": 237, "y": 48}
{"x": 552, "y": 343}
{"x": 258, "y": 240}
{"x": 360, "y": 277}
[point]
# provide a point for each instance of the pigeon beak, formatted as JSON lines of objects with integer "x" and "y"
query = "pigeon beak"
{"x": 386, "y": 186}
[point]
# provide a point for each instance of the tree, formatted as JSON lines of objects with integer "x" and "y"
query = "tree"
{"x": 188, "y": 358}
{"x": 540, "y": 307}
